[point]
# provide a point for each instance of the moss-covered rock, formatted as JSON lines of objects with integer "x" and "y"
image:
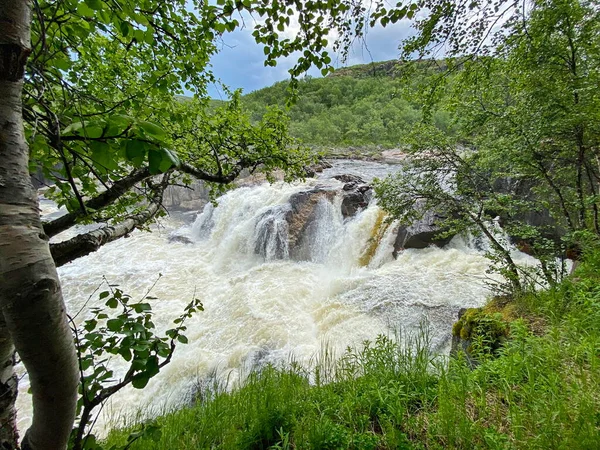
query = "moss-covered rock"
{"x": 480, "y": 332}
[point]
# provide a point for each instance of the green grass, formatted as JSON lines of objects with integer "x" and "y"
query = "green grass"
{"x": 541, "y": 390}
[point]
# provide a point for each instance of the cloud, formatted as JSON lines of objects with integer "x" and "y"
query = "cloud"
{"x": 240, "y": 61}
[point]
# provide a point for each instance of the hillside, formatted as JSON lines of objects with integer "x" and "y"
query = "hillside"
{"x": 365, "y": 106}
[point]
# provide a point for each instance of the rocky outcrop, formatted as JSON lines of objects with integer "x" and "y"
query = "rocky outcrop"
{"x": 422, "y": 233}
{"x": 539, "y": 218}
{"x": 305, "y": 208}
{"x": 193, "y": 197}
{"x": 316, "y": 168}
{"x": 293, "y": 230}
{"x": 356, "y": 194}
{"x": 285, "y": 231}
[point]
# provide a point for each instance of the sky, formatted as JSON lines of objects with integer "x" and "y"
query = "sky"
{"x": 240, "y": 62}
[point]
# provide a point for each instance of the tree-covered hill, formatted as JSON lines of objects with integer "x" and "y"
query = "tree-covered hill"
{"x": 370, "y": 105}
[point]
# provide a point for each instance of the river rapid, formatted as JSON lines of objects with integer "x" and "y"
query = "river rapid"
{"x": 263, "y": 309}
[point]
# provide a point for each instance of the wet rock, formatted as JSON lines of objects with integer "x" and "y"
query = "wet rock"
{"x": 356, "y": 194}
{"x": 422, "y": 233}
{"x": 316, "y": 168}
{"x": 193, "y": 197}
{"x": 302, "y": 216}
{"x": 271, "y": 233}
{"x": 356, "y": 198}
{"x": 179, "y": 238}
{"x": 349, "y": 178}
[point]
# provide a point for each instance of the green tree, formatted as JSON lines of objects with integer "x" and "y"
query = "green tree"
{"x": 526, "y": 140}
{"x": 96, "y": 84}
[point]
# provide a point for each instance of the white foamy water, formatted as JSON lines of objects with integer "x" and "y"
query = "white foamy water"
{"x": 259, "y": 308}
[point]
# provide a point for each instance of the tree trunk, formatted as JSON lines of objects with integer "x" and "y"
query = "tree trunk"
{"x": 31, "y": 304}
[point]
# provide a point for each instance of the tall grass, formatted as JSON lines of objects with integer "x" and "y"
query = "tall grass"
{"x": 542, "y": 391}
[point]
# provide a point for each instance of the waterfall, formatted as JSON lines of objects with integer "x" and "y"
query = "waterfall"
{"x": 280, "y": 270}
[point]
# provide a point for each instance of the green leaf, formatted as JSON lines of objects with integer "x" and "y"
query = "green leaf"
{"x": 94, "y": 4}
{"x": 75, "y": 128}
{"x": 125, "y": 352}
{"x": 84, "y": 10}
{"x": 152, "y": 130}
{"x": 90, "y": 325}
{"x": 141, "y": 307}
{"x": 159, "y": 161}
{"x": 135, "y": 151}
{"x": 183, "y": 339}
{"x": 154, "y": 161}
{"x": 114, "y": 324}
{"x": 94, "y": 130}
{"x": 103, "y": 156}
{"x": 140, "y": 380}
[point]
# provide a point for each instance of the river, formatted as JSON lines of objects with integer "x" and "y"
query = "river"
{"x": 261, "y": 309}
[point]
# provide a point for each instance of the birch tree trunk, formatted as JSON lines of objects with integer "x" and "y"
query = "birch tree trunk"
{"x": 32, "y": 311}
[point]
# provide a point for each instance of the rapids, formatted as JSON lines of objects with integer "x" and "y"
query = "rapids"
{"x": 261, "y": 306}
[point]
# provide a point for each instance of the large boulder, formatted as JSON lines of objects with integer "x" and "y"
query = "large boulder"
{"x": 356, "y": 198}
{"x": 285, "y": 231}
{"x": 192, "y": 197}
{"x": 537, "y": 217}
{"x": 356, "y": 194}
{"x": 302, "y": 219}
{"x": 422, "y": 233}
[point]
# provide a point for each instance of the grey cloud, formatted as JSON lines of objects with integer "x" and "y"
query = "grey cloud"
{"x": 240, "y": 63}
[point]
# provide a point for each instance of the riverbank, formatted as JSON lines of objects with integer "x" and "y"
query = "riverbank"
{"x": 540, "y": 389}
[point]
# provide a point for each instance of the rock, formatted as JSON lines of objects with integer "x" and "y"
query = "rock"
{"x": 422, "y": 233}
{"x": 302, "y": 216}
{"x": 356, "y": 194}
{"x": 179, "y": 238}
{"x": 539, "y": 218}
{"x": 349, "y": 178}
{"x": 293, "y": 230}
{"x": 355, "y": 199}
{"x": 318, "y": 167}
{"x": 193, "y": 197}
{"x": 286, "y": 231}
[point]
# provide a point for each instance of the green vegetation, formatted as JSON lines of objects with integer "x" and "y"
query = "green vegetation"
{"x": 524, "y": 148}
{"x": 367, "y": 107}
{"x": 538, "y": 390}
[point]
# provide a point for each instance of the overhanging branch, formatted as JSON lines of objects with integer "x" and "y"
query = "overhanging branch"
{"x": 86, "y": 243}
{"x": 107, "y": 197}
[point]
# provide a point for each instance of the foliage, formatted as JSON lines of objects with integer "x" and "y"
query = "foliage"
{"x": 359, "y": 106}
{"x": 124, "y": 330}
{"x": 540, "y": 391}
{"x": 485, "y": 332}
{"x": 103, "y": 96}
{"x": 524, "y": 153}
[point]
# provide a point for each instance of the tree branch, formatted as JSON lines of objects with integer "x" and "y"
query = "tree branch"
{"x": 107, "y": 197}
{"x": 86, "y": 243}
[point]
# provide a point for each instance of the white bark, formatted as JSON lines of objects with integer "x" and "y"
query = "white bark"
{"x": 31, "y": 304}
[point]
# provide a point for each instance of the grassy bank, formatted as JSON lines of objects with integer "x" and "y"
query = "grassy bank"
{"x": 541, "y": 389}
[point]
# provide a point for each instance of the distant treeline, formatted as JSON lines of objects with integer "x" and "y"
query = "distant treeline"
{"x": 366, "y": 105}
